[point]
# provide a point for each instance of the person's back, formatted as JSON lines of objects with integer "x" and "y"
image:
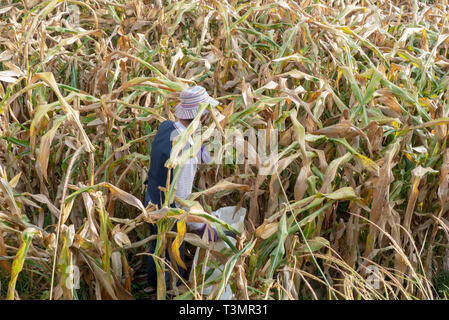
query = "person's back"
{"x": 157, "y": 174}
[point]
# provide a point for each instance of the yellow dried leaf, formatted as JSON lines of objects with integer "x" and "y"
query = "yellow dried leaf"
{"x": 181, "y": 225}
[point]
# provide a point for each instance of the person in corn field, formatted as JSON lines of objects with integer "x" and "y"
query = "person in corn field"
{"x": 161, "y": 148}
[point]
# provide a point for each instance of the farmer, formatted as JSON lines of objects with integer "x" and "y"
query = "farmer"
{"x": 157, "y": 174}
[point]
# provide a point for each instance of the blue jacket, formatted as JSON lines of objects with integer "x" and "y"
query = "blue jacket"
{"x": 160, "y": 153}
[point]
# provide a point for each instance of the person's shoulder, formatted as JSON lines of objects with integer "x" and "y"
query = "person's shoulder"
{"x": 167, "y": 124}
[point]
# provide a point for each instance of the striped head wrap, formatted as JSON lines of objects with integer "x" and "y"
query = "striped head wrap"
{"x": 190, "y": 100}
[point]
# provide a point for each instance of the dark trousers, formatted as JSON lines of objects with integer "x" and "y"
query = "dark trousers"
{"x": 152, "y": 273}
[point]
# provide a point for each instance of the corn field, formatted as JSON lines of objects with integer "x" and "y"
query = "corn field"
{"x": 357, "y": 89}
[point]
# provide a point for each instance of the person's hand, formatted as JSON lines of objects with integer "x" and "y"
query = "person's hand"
{"x": 213, "y": 236}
